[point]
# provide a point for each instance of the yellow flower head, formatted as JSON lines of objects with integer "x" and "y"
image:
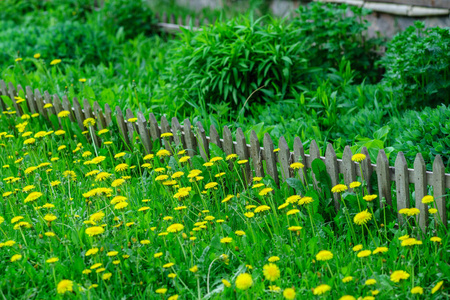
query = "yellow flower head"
{"x": 362, "y": 217}
{"x": 339, "y": 188}
{"x": 64, "y": 286}
{"x": 324, "y": 255}
{"x": 271, "y": 272}
{"x": 244, "y": 281}
{"x": 396, "y": 276}
{"x": 359, "y": 157}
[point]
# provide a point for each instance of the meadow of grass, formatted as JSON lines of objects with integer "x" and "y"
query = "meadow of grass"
{"x": 85, "y": 222}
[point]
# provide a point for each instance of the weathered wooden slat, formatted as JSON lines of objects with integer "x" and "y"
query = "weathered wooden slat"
{"x": 299, "y": 156}
{"x": 144, "y": 132}
{"x": 58, "y": 107}
{"x": 367, "y": 169}
{"x": 420, "y": 188}
{"x": 57, "y": 104}
{"x": 172, "y": 19}
{"x": 256, "y": 154}
{"x": 3, "y": 91}
{"x": 426, "y": 3}
{"x": 189, "y": 138}
{"x": 271, "y": 166}
{"x": 68, "y": 107}
{"x": 165, "y": 127}
{"x": 178, "y": 135}
{"x": 384, "y": 178}
{"x": 284, "y": 157}
{"x": 48, "y": 100}
{"x": 108, "y": 115}
{"x": 242, "y": 152}
{"x": 122, "y": 125}
{"x": 12, "y": 94}
{"x": 180, "y": 20}
{"x": 79, "y": 115}
{"x": 130, "y": 126}
{"x": 401, "y": 183}
{"x": 214, "y": 136}
{"x": 333, "y": 171}
{"x": 100, "y": 116}
{"x": 20, "y": 89}
{"x": 202, "y": 142}
{"x": 30, "y": 100}
{"x": 314, "y": 153}
{"x": 349, "y": 167}
{"x": 439, "y": 188}
{"x": 228, "y": 145}
{"x": 164, "y": 17}
{"x": 155, "y": 133}
{"x": 89, "y": 114}
{"x": 40, "y": 103}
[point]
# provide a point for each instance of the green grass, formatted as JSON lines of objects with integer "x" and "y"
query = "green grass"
{"x": 34, "y": 157}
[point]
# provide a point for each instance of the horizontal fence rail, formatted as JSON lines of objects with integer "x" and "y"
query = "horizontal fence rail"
{"x": 264, "y": 160}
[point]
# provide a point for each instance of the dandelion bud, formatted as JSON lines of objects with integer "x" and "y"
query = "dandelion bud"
{"x": 184, "y": 235}
{"x": 101, "y": 249}
{"x": 134, "y": 240}
{"x": 41, "y": 236}
{"x": 319, "y": 274}
{"x": 236, "y": 248}
{"x": 384, "y": 260}
{"x": 129, "y": 244}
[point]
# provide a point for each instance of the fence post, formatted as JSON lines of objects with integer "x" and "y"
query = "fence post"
{"x": 214, "y": 136}
{"x": 4, "y": 93}
{"x": 178, "y": 135}
{"x": 439, "y": 186}
{"x": 100, "y": 117}
{"x": 121, "y": 124}
{"x": 165, "y": 128}
{"x": 130, "y": 127}
{"x": 67, "y": 106}
{"x": 143, "y": 131}
{"x": 242, "y": 152}
{"x": 284, "y": 156}
{"x": 48, "y": 100}
{"x": 12, "y": 94}
{"x": 384, "y": 178}
{"x": 349, "y": 167}
{"x": 202, "y": 142}
{"x": 271, "y": 164}
{"x": 228, "y": 145}
{"x": 420, "y": 187}
{"x": 367, "y": 169}
{"x": 333, "y": 171}
{"x": 256, "y": 154}
{"x": 155, "y": 133}
{"x": 299, "y": 156}
{"x": 108, "y": 115}
{"x": 402, "y": 184}
{"x": 190, "y": 138}
{"x": 30, "y": 100}
{"x": 78, "y": 113}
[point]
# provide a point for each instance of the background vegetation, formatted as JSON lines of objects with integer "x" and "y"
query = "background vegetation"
{"x": 317, "y": 73}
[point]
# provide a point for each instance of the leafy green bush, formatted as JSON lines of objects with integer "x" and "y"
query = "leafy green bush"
{"x": 135, "y": 17}
{"x": 65, "y": 40}
{"x": 332, "y": 33}
{"x": 426, "y": 132}
{"x": 230, "y": 60}
{"x": 417, "y": 64}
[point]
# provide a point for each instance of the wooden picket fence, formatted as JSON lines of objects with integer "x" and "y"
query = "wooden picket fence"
{"x": 172, "y": 24}
{"x": 264, "y": 161}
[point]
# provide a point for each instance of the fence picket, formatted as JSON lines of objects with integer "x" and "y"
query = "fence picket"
{"x": 202, "y": 142}
{"x": 333, "y": 171}
{"x": 299, "y": 156}
{"x": 130, "y": 126}
{"x": 367, "y": 169}
{"x": 165, "y": 127}
{"x": 99, "y": 114}
{"x": 189, "y": 138}
{"x": 122, "y": 126}
{"x": 214, "y": 136}
{"x": 67, "y": 106}
{"x": 143, "y": 132}
{"x": 89, "y": 114}
{"x": 57, "y": 104}
{"x": 256, "y": 154}
{"x": 228, "y": 145}
{"x": 439, "y": 188}
{"x": 269, "y": 155}
{"x": 349, "y": 167}
{"x": 40, "y": 103}
{"x": 420, "y": 187}
{"x": 401, "y": 183}
{"x": 108, "y": 115}
{"x": 178, "y": 135}
{"x": 78, "y": 113}
{"x": 12, "y": 94}
{"x": 155, "y": 133}
{"x": 242, "y": 152}
{"x": 284, "y": 157}
{"x": 48, "y": 100}
{"x": 384, "y": 178}
{"x": 30, "y": 100}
